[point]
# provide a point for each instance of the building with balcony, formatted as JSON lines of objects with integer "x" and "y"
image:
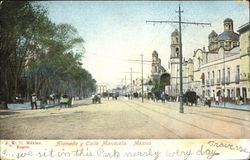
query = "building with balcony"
{"x": 227, "y": 61}
{"x": 243, "y": 72}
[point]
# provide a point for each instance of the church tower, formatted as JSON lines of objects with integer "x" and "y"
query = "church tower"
{"x": 228, "y": 25}
{"x": 175, "y": 62}
{"x": 155, "y": 64}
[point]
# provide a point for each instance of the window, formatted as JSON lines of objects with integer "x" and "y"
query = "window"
{"x": 219, "y": 75}
{"x": 238, "y": 71}
{"x": 203, "y": 78}
{"x": 177, "y": 52}
{"x": 223, "y": 76}
{"x": 177, "y": 40}
{"x": 227, "y": 45}
{"x": 221, "y": 44}
{"x": 199, "y": 62}
{"x": 234, "y": 44}
{"x": 228, "y": 75}
{"x": 213, "y": 76}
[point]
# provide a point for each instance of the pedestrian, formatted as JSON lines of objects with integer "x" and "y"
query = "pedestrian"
{"x": 162, "y": 97}
{"x": 197, "y": 100}
{"x": 236, "y": 100}
{"x": 217, "y": 100}
{"x": 241, "y": 100}
{"x": 209, "y": 101}
{"x": 33, "y": 101}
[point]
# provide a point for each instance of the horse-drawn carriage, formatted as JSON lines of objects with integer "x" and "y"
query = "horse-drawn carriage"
{"x": 96, "y": 99}
{"x": 190, "y": 97}
{"x": 65, "y": 101}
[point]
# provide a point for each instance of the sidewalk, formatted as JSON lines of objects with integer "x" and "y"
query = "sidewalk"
{"x": 27, "y": 106}
{"x": 245, "y": 107}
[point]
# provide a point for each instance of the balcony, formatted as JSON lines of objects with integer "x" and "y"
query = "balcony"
{"x": 223, "y": 81}
{"x": 218, "y": 81}
{"x": 227, "y": 80}
{"x": 212, "y": 82}
{"x": 207, "y": 82}
{"x": 237, "y": 79}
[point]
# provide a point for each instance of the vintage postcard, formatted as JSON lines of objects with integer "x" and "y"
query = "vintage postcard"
{"x": 124, "y": 80}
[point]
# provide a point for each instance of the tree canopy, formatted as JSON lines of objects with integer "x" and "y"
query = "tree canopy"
{"x": 37, "y": 55}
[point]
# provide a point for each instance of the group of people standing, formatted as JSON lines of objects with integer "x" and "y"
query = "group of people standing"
{"x": 219, "y": 99}
{"x": 63, "y": 100}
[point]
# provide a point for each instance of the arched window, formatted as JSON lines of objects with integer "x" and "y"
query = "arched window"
{"x": 221, "y": 44}
{"x": 234, "y": 44}
{"x": 177, "y": 51}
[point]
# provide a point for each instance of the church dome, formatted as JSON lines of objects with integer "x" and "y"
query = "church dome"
{"x": 228, "y": 20}
{"x": 175, "y": 33}
{"x": 213, "y": 34}
{"x": 228, "y": 35}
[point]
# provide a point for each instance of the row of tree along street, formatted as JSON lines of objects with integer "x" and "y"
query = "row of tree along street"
{"x": 39, "y": 56}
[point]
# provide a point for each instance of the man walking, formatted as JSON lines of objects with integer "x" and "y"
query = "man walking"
{"x": 33, "y": 101}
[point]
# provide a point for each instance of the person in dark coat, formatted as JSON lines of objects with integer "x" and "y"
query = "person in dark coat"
{"x": 33, "y": 101}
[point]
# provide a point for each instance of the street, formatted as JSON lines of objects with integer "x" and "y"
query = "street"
{"x": 125, "y": 119}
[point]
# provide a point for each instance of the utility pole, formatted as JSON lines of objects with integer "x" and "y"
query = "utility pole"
{"x": 142, "y": 78}
{"x": 131, "y": 78}
{"x": 180, "y": 45}
{"x": 122, "y": 87}
{"x": 125, "y": 86}
{"x": 142, "y": 61}
{"x": 131, "y": 89}
{"x": 224, "y": 78}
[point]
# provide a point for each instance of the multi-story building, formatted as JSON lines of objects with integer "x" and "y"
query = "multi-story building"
{"x": 223, "y": 69}
{"x": 244, "y": 69}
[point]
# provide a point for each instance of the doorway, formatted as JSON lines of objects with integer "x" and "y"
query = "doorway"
{"x": 244, "y": 94}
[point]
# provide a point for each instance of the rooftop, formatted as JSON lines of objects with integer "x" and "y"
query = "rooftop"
{"x": 228, "y": 35}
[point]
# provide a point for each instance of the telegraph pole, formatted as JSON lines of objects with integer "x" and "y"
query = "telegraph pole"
{"x": 142, "y": 78}
{"x": 180, "y": 44}
{"x": 125, "y": 86}
{"x": 131, "y": 78}
{"x": 131, "y": 89}
{"x": 142, "y": 61}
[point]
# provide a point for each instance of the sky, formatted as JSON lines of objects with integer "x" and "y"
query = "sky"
{"x": 116, "y": 32}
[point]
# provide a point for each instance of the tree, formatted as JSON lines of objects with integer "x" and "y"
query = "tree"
{"x": 17, "y": 41}
{"x": 39, "y": 56}
{"x": 164, "y": 80}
